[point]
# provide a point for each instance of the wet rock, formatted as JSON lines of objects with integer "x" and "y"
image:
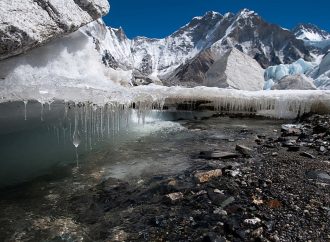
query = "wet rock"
{"x": 217, "y": 155}
{"x": 227, "y": 202}
{"x": 216, "y": 198}
{"x": 205, "y": 176}
{"x": 322, "y": 149}
{"x": 318, "y": 175}
{"x": 289, "y": 143}
{"x": 291, "y": 130}
{"x": 308, "y": 155}
{"x": 244, "y": 150}
{"x": 294, "y": 148}
{"x": 269, "y": 145}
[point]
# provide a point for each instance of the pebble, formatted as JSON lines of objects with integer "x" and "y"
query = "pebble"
{"x": 252, "y": 221}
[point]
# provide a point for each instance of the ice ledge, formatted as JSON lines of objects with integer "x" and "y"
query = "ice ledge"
{"x": 31, "y": 23}
{"x": 278, "y": 104}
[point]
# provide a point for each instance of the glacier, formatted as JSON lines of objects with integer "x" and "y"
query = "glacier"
{"x": 275, "y": 73}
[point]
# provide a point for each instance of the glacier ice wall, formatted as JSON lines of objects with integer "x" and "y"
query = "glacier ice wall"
{"x": 321, "y": 73}
{"x": 276, "y": 73}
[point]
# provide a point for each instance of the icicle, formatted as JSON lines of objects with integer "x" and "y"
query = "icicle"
{"x": 108, "y": 121}
{"x": 25, "y": 104}
{"x": 42, "y": 112}
{"x": 102, "y": 122}
{"x": 76, "y": 135}
{"x": 58, "y": 135}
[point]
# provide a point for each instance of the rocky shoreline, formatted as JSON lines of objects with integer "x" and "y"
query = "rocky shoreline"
{"x": 275, "y": 189}
{"x": 252, "y": 184}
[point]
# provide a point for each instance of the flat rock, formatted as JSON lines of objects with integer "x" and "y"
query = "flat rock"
{"x": 217, "y": 155}
{"x": 205, "y": 176}
{"x": 244, "y": 150}
{"x": 308, "y": 155}
{"x": 318, "y": 175}
{"x": 294, "y": 148}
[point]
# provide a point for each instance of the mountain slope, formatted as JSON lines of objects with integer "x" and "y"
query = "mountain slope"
{"x": 233, "y": 69}
{"x": 204, "y": 39}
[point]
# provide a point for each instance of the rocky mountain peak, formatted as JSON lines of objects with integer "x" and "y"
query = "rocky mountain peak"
{"x": 246, "y": 13}
{"x": 310, "y": 32}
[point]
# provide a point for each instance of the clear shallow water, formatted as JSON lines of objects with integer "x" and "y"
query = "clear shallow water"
{"x": 38, "y": 161}
{"x": 36, "y": 139}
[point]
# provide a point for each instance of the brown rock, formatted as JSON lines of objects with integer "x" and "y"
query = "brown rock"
{"x": 205, "y": 176}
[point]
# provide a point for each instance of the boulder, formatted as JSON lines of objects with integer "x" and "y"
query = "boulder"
{"x": 295, "y": 82}
{"x": 235, "y": 70}
{"x": 31, "y": 23}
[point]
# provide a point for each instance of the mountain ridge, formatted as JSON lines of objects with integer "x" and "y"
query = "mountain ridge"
{"x": 206, "y": 38}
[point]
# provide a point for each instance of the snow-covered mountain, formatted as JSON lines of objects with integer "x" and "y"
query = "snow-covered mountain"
{"x": 210, "y": 36}
{"x": 316, "y": 40}
{"x": 310, "y": 32}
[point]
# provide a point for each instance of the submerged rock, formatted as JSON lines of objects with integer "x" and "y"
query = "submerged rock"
{"x": 28, "y": 24}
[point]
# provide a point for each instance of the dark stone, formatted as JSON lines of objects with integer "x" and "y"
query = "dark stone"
{"x": 308, "y": 155}
{"x": 319, "y": 176}
{"x": 213, "y": 237}
{"x": 294, "y": 148}
{"x": 244, "y": 150}
{"x": 217, "y": 155}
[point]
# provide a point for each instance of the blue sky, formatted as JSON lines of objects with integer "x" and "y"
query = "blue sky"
{"x": 160, "y": 18}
